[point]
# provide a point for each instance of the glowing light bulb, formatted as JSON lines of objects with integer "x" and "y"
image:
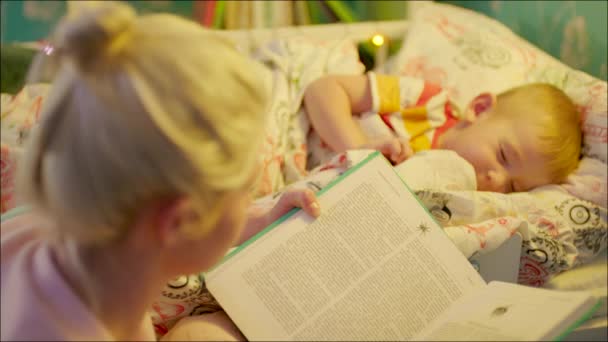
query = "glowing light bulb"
{"x": 378, "y": 39}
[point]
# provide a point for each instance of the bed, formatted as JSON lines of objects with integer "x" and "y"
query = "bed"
{"x": 563, "y": 228}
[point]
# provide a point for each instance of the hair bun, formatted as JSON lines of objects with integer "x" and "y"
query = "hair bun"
{"x": 95, "y": 32}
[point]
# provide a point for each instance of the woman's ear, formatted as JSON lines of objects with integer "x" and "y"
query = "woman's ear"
{"x": 482, "y": 103}
{"x": 172, "y": 216}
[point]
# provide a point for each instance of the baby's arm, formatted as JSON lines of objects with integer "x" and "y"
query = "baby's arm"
{"x": 332, "y": 101}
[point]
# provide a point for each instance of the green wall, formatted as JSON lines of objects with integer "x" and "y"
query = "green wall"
{"x": 573, "y": 31}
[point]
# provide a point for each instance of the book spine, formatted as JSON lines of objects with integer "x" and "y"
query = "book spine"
{"x": 319, "y": 14}
{"x": 218, "y": 17}
{"x": 257, "y": 14}
{"x": 302, "y": 15}
{"x": 206, "y": 11}
{"x": 341, "y": 10}
{"x": 244, "y": 15}
{"x": 198, "y": 12}
{"x": 281, "y": 13}
{"x": 288, "y": 12}
{"x": 268, "y": 12}
{"x": 230, "y": 15}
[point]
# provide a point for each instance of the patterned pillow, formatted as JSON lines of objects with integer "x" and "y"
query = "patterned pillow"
{"x": 469, "y": 53}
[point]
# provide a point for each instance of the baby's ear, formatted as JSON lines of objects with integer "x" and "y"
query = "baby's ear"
{"x": 480, "y": 104}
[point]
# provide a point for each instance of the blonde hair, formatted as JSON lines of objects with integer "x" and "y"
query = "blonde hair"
{"x": 143, "y": 108}
{"x": 556, "y": 120}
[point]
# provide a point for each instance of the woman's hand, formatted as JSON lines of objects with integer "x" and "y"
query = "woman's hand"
{"x": 395, "y": 149}
{"x": 295, "y": 198}
{"x": 260, "y": 218}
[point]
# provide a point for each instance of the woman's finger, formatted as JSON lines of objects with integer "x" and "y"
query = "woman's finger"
{"x": 307, "y": 200}
{"x": 296, "y": 198}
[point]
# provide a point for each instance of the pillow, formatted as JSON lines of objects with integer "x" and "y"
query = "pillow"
{"x": 469, "y": 53}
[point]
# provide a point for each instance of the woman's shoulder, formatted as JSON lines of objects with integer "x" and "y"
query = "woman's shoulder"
{"x": 34, "y": 291}
{"x": 23, "y": 239}
{"x": 22, "y": 236}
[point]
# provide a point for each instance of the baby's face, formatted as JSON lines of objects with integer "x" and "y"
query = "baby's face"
{"x": 505, "y": 155}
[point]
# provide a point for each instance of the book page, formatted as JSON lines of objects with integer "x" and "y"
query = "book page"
{"x": 509, "y": 312}
{"x": 374, "y": 265}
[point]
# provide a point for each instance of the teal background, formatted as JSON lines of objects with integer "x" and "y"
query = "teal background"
{"x": 552, "y": 26}
{"x": 30, "y": 20}
{"x": 23, "y": 22}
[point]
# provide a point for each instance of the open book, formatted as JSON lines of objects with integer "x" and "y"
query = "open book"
{"x": 376, "y": 266}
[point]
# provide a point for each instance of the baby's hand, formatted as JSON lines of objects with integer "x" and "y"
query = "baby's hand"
{"x": 394, "y": 149}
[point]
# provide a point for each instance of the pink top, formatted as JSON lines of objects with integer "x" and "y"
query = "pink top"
{"x": 37, "y": 302}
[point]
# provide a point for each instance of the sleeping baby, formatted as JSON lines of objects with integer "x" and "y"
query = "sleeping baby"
{"x": 521, "y": 139}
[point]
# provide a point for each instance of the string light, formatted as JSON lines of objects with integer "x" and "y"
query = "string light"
{"x": 378, "y": 40}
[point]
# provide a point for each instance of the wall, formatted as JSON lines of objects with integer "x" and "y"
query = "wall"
{"x": 29, "y": 20}
{"x": 33, "y": 20}
{"x": 573, "y": 31}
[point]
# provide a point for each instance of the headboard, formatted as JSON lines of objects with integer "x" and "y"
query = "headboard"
{"x": 357, "y": 31}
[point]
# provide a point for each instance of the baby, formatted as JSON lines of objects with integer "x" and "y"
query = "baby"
{"x": 521, "y": 139}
